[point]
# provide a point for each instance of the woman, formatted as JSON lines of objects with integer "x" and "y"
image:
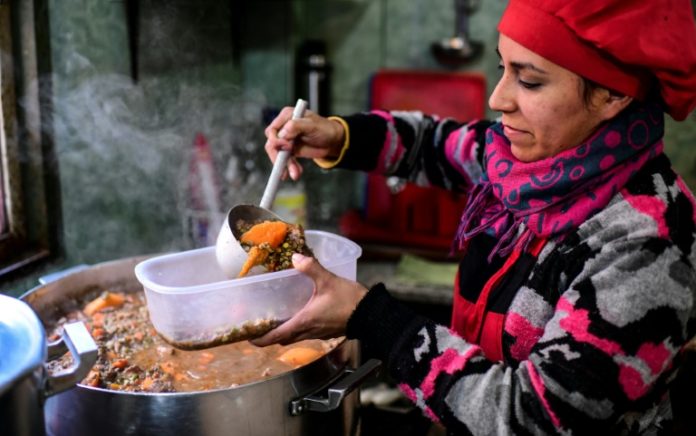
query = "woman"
{"x": 575, "y": 290}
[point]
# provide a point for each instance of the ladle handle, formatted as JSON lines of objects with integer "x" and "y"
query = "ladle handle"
{"x": 280, "y": 163}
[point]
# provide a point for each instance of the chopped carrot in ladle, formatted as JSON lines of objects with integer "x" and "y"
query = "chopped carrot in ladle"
{"x": 271, "y": 232}
{"x": 262, "y": 237}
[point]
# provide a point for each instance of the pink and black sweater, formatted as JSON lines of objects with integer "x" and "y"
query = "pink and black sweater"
{"x": 577, "y": 334}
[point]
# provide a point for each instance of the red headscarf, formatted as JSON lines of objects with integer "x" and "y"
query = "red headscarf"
{"x": 625, "y": 45}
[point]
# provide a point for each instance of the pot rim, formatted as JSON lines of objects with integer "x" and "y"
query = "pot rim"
{"x": 329, "y": 364}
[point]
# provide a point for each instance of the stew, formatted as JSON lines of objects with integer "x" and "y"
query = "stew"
{"x": 133, "y": 357}
{"x": 271, "y": 244}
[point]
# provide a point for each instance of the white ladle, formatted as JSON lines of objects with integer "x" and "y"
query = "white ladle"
{"x": 228, "y": 251}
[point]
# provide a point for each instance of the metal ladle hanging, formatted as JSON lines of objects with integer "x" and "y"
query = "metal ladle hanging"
{"x": 228, "y": 251}
{"x": 459, "y": 49}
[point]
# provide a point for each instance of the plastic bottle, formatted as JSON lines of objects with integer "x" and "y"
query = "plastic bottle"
{"x": 291, "y": 203}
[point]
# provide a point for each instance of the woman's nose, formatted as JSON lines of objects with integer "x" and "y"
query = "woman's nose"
{"x": 501, "y": 99}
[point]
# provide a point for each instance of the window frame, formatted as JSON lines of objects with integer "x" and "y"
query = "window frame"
{"x": 29, "y": 168}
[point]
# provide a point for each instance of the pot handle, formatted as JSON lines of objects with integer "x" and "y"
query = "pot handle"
{"x": 330, "y": 397}
{"x": 83, "y": 349}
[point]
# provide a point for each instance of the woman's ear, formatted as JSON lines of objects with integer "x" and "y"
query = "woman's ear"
{"x": 609, "y": 104}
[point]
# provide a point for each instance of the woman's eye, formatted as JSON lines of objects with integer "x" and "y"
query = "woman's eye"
{"x": 529, "y": 85}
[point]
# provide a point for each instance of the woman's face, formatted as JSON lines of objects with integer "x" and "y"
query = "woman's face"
{"x": 542, "y": 104}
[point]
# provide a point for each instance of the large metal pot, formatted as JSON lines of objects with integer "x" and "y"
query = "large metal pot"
{"x": 285, "y": 405}
{"x": 24, "y": 381}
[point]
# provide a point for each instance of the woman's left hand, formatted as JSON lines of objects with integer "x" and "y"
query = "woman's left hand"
{"x": 326, "y": 313}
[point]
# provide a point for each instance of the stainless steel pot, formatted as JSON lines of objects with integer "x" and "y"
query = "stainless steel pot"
{"x": 24, "y": 381}
{"x": 285, "y": 405}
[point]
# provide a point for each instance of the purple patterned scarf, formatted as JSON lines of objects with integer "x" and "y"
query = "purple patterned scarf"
{"x": 557, "y": 194}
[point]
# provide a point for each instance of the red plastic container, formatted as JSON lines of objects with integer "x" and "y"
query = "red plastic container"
{"x": 458, "y": 95}
{"x": 415, "y": 216}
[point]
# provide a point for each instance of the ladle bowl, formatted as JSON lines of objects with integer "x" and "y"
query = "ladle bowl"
{"x": 228, "y": 251}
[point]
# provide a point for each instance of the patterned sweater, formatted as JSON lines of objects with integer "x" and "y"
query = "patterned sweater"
{"x": 592, "y": 325}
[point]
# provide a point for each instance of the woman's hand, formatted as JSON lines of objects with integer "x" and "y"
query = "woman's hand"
{"x": 312, "y": 137}
{"x": 326, "y": 313}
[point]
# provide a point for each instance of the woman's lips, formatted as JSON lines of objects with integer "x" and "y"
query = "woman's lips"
{"x": 511, "y": 132}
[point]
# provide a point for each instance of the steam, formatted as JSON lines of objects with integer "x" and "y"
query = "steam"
{"x": 123, "y": 152}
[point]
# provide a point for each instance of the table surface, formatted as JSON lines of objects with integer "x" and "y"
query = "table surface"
{"x": 373, "y": 272}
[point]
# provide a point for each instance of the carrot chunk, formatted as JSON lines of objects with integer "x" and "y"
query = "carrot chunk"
{"x": 98, "y": 333}
{"x": 270, "y": 232}
{"x": 98, "y": 320}
{"x": 120, "y": 363}
{"x": 299, "y": 356}
{"x": 107, "y": 299}
{"x": 256, "y": 257}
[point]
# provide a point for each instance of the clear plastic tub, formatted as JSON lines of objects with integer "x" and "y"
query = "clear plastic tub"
{"x": 193, "y": 305}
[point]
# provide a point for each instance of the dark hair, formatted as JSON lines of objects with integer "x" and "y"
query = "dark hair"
{"x": 587, "y": 87}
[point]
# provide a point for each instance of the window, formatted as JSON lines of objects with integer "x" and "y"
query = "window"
{"x": 28, "y": 208}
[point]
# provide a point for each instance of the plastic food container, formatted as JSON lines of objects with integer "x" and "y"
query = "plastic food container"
{"x": 193, "y": 305}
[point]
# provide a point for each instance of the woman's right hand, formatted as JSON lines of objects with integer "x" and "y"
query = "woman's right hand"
{"x": 311, "y": 137}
